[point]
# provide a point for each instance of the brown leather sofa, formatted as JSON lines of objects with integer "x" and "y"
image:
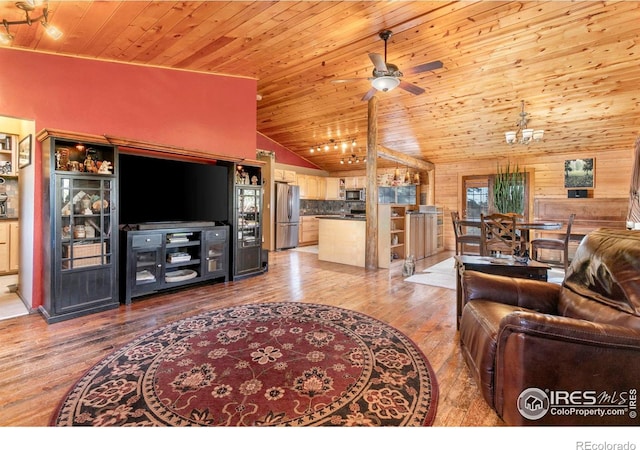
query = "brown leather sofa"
{"x": 550, "y": 354}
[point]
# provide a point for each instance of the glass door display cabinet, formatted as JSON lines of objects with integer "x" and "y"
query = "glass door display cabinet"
{"x": 80, "y": 242}
{"x": 248, "y": 222}
{"x": 216, "y": 249}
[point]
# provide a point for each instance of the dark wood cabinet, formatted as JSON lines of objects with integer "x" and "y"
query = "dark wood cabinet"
{"x": 166, "y": 256}
{"x": 81, "y": 254}
{"x": 247, "y": 220}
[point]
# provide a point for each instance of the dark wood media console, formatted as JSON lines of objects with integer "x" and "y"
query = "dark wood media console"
{"x": 162, "y": 256}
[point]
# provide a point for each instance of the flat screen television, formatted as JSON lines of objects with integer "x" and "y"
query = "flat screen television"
{"x": 166, "y": 190}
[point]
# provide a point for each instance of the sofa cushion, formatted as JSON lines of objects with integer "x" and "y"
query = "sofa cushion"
{"x": 606, "y": 270}
{"x": 479, "y": 328}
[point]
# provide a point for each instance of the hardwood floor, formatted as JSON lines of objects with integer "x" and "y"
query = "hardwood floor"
{"x": 40, "y": 362}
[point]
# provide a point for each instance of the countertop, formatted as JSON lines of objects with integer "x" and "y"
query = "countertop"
{"x": 356, "y": 217}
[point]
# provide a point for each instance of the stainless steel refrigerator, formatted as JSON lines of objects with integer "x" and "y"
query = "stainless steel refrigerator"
{"x": 287, "y": 215}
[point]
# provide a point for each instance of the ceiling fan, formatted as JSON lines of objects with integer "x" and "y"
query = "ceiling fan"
{"x": 387, "y": 76}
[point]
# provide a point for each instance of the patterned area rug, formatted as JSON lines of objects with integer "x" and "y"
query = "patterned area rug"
{"x": 286, "y": 364}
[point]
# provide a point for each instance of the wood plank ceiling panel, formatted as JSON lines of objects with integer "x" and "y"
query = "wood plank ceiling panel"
{"x": 575, "y": 64}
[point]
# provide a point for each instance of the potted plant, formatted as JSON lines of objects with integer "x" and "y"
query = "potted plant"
{"x": 508, "y": 190}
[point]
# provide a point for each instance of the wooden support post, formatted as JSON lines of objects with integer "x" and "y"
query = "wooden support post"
{"x": 371, "y": 252}
{"x": 405, "y": 160}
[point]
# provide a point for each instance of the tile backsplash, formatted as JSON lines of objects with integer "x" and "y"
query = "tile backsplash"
{"x": 10, "y": 187}
{"x": 319, "y": 207}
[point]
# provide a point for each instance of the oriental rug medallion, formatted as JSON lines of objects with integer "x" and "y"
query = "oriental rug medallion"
{"x": 270, "y": 364}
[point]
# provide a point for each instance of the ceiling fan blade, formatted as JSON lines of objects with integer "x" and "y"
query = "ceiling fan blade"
{"x": 369, "y": 94}
{"x": 378, "y": 62}
{"x": 424, "y": 67}
{"x": 409, "y": 87}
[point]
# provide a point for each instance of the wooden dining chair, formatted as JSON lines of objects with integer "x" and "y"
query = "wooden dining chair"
{"x": 498, "y": 234}
{"x": 561, "y": 244}
{"x": 463, "y": 238}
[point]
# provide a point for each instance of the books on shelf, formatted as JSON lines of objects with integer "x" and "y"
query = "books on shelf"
{"x": 178, "y": 257}
{"x": 176, "y": 238}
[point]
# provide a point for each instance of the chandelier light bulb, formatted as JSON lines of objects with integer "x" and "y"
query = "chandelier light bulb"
{"x": 527, "y": 135}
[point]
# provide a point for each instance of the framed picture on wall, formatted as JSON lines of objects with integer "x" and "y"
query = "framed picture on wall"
{"x": 24, "y": 152}
{"x": 579, "y": 173}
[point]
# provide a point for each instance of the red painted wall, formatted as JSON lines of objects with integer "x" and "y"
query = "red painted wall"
{"x": 283, "y": 154}
{"x": 191, "y": 110}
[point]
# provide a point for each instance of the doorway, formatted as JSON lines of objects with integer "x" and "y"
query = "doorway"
{"x": 15, "y": 282}
{"x": 475, "y": 196}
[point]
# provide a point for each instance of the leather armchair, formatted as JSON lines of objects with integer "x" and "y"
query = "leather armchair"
{"x": 547, "y": 354}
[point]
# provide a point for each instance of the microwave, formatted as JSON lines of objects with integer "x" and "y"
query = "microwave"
{"x": 355, "y": 195}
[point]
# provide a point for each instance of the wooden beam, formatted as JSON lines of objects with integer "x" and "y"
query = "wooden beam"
{"x": 371, "y": 201}
{"x": 405, "y": 160}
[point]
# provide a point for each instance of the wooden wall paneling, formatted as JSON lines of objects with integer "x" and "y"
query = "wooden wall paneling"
{"x": 613, "y": 173}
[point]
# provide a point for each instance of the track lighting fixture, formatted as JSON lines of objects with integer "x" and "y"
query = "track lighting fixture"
{"x": 29, "y": 6}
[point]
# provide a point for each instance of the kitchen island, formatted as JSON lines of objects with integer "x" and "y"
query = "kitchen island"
{"x": 342, "y": 239}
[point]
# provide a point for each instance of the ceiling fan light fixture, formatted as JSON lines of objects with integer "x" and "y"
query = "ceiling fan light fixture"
{"x": 385, "y": 83}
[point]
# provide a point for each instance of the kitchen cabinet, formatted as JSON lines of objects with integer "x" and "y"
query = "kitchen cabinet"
{"x": 80, "y": 241}
{"x": 355, "y": 182}
{"x": 14, "y": 246}
{"x": 322, "y": 188}
{"x": 301, "y": 181}
{"x": 309, "y": 226}
{"x": 9, "y": 247}
{"x": 416, "y": 235}
{"x": 435, "y": 228}
{"x": 311, "y": 187}
{"x": 8, "y": 154}
{"x": 286, "y": 176}
{"x": 334, "y": 188}
{"x": 424, "y": 234}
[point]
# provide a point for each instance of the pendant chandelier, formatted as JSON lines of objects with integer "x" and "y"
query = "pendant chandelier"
{"x": 523, "y": 135}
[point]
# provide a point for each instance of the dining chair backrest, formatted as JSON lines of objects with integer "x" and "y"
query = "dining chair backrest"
{"x": 498, "y": 233}
{"x": 569, "y": 225}
{"x": 455, "y": 219}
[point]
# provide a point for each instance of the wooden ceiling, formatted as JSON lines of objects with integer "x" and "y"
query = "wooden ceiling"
{"x": 575, "y": 64}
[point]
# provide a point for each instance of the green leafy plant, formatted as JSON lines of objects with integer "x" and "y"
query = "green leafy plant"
{"x": 508, "y": 190}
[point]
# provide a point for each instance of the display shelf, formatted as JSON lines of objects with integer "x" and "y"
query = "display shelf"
{"x": 247, "y": 219}
{"x": 391, "y": 234}
{"x": 81, "y": 272}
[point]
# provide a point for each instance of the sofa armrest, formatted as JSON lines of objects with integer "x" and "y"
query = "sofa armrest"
{"x": 589, "y": 364}
{"x": 531, "y": 294}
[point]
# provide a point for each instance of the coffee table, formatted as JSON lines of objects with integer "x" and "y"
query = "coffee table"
{"x": 506, "y": 266}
